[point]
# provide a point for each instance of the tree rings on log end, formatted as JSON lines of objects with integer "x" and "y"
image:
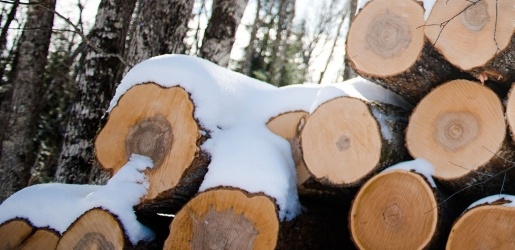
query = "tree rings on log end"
{"x": 458, "y": 127}
{"x": 394, "y": 210}
{"x": 225, "y": 219}
{"x": 156, "y": 122}
{"x": 341, "y": 142}
{"x": 13, "y": 233}
{"x": 43, "y": 238}
{"x": 484, "y": 227}
{"x": 471, "y": 33}
{"x": 385, "y": 38}
{"x": 95, "y": 229}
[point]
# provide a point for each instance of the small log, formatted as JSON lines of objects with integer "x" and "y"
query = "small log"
{"x": 397, "y": 210}
{"x": 159, "y": 123}
{"x": 346, "y": 140}
{"x": 487, "y": 226}
{"x": 386, "y": 44}
{"x": 43, "y": 238}
{"x": 225, "y": 218}
{"x": 460, "y": 128}
{"x": 14, "y": 232}
{"x": 476, "y": 36}
{"x": 287, "y": 125}
{"x": 95, "y": 229}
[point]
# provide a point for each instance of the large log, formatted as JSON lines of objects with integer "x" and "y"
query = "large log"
{"x": 476, "y": 36}
{"x": 460, "y": 128}
{"x": 95, "y": 229}
{"x": 345, "y": 140}
{"x": 225, "y": 218}
{"x": 157, "y": 122}
{"x": 386, "y": 44}
{"x": 490, "y": 225}
{"x": 14, "y": 232}
{"x": 43, "y": 238}
{"x": 397, "y": 210}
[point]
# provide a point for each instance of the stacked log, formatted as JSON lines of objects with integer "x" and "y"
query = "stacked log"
{"x": 20, "y": 234}
{"x": 157, "y": 122}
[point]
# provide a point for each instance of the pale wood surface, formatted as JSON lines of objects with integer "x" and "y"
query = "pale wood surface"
{"x": 13, "y": 232}
{"x": 41, "y": 239}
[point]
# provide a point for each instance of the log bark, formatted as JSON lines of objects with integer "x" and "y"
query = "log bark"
{"x": 386, "y": 44}
{"x": 486, "y": 27}
{"x": 14, "y": 232}
{"x": 398, "y": 210}
{"x": 346, "y": 140}
{"x": 43, "y": 238}
{"x": 159, "y": 123}
{"x": 460, "y": 128}
{"x": 287, "y": 125}
{"x": 487, "y": 226}
{"x": 225, "y": 218}
{"x": 95, "y": 229}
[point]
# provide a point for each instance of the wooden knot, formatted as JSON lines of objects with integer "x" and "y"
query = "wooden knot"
{"x": 151, "y": 137}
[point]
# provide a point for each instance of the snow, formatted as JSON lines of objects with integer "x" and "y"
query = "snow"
{"x": 419, "y": 165}
{"x": 57, "y": 205}
{"x": 428, "y": 6}
{"x": 493, "y": 198}
{"x": 245, "y": 154}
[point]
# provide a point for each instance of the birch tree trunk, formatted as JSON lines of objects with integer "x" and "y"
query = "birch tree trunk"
{"x": 95, "y": 87}
{"x": 17, "y": 147}
{"x": 250, "y": 50}
{"x": 221, "y": 30}
{"x": 160, "y": 28}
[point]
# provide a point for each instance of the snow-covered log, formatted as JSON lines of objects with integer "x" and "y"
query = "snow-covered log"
{"x": 460, "y": 128}
{"x": 386, "y": 43}
{"x": 14, "y": 232}
{"x": 345, "y": 140}
{"x": 156, "y": 122}
{"x": 476, "y": 36}
{"x": 225, "y": 218}
{"x": 42, "y": 238}
{"x": 399, "y": 209}
{"x": 487, "y": 224}
{"x": 95, "y": 229}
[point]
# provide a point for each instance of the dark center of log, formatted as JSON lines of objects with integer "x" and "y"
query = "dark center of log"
{"x": 151, "y": 137}
{"x": 343, "y": 143}
{"x": 223, "y": 230}
{"x": 388, "y": 35}
{"x": 393, "y": 215}
{"x": 95, "y": 239}
{"x": 475, "y": 17}
{"x": 454, "y": 130}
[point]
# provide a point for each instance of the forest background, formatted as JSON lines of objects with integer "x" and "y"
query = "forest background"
{"x": 61, "y": 60}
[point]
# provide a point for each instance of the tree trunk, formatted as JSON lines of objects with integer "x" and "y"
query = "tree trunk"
{"x": 160, "y": 28}
{"x": 156, "y": 122}
{"x": 346, "y": 140}
{"x": 17, "y": 155}
{"x": 95, "y": 229}
{"x": 250, "y": 51}
{"x": 225, "y": 218}
{"x": 348, "y": 72}
{"x": 221, "y": 30}
{"x": 398, "y": 210}
{"x": 386, "y": 43}
{"x": 452, "y": 26}
{"x": 95, "y": 87}
{"x": 13, "y": 233}
{"x": 460, "y": 128}
{"x": 43, "y": 237}
{"x": 486, "y": 226}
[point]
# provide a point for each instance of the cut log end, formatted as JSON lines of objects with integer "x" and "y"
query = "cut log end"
{"x": 510, "y": 112}
{"x": 13, "y": 233}
{"x": 458, "y": 127}
{"x": 394, "y": 210}
{"x": 341, "y": 142}
{"x": 484, "y": 227}
{"x": 95, "y": 229}
{"x": 42, "y": 238}
{"x": 156, "y": 122}
{"x": 385, "y": 38}
{"x": 459, "y": 27}
{"x": 225, "y": 219}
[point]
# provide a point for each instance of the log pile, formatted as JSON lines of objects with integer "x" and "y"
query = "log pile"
{"x": 455, "y": 67}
